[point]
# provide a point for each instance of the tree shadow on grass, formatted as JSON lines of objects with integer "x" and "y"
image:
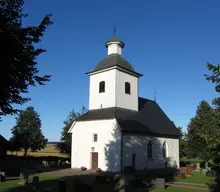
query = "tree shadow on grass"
{"x": 52, "y": 184}
{"x": 34, "y": 165}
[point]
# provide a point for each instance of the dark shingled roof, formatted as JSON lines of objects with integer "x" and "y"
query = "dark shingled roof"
{"x": 150, "y": 118}
{"x": 4, "y": 141}
{"x": 115, "y": 39}
{"x": 114, "y": 60}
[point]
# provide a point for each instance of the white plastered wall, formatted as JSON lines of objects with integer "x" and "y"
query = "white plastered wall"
{"x": 138, "y": 145}
{"x": 108, "y": 145}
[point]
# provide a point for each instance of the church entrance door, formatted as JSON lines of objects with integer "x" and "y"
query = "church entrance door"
{"x": 94, "y": 160}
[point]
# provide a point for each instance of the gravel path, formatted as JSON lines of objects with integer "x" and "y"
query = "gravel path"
{"x": 67, "y": 172}
{"x": 189, "y": 185}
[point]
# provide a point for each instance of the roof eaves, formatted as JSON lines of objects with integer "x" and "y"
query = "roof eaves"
{"x": 113, "y": 67}
{"x": 119, "y": 42}
{"x": 71, "y": 127}
{"x": 96, "y": 119}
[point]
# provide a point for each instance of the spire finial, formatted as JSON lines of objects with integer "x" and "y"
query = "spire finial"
{"x": 114, "y": 28}
{"x": 155, "y": 95}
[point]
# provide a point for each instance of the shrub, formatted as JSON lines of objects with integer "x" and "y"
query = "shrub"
{"x": 210, "y": 173}
{"x": 179, "y": 176}
{"x": 83, "y": 168}
{"x": 98, "y": 170}
{"x": 182, "y": 170}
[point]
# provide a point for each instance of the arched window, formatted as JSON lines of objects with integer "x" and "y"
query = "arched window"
{"x": 102, "y": 87}
{"x": 149, "y": 150}
{"x": 127, "y": 88}
{"x": 165, "y": 155}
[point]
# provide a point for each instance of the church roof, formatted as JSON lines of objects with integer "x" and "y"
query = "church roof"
{"x": 114, "y": 60}
{"x": 3, "y": 141}
{"x": 150, "y": 119}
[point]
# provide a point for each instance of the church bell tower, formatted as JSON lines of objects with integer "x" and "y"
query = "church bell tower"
{"x": 113, "y": 82}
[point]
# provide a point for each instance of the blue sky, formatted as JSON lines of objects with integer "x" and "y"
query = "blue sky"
{"x": 167, "y": 41}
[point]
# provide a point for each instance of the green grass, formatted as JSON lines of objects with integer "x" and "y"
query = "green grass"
{"x": 13, "y": 184}
{"x": 51, "y": 183}
{"x": 199, "y": 178}
{"x": 178, "y": 189}
{"x": 190, "y": 160}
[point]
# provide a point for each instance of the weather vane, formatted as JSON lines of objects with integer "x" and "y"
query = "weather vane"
{"x": 155, "y": 98}
{"x": 114, "y": 29}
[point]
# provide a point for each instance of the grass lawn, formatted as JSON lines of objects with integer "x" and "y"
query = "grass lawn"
{"x": 13, "y": 184}
{"x": 199, "y": 178}
{"x": 178, "y": 189}
{"x": 50, "y": 183}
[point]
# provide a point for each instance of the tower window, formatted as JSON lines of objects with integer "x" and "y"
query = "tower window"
{"x": 127, "y": 88}
{"x": 102, "y": 87}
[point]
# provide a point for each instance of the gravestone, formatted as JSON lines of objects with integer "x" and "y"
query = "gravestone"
{"x": 128, "y": 178}
{"x": 160, "y": 183}
{"x": 165, "y": 164}
{"x": 137, "y": 183}
{"x": 2, "y": 178}
{"x": 197, "y": 167}
{"x": 206, "y": 165}
{"x": 23, "y": 177}
{"x": 81, "y": 187}
{"x": 35, "y": 182}
{"x": 62, "y": 185}
{"x": 101, "y": 180}
{"x": 120, "y": 185}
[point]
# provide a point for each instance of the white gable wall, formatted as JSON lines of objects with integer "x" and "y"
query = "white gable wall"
{"x": 123, "y": 100}
{"x": 109, "y": 139}
{"x": 138, "y": 145}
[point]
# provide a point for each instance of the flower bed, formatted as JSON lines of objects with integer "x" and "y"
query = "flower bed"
{"x": 98, "y": 170}
{"x": 83, "y": 168}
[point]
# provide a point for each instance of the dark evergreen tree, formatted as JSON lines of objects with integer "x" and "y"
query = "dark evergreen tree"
{"x": 198, "y": 130}
{"x": 182, "y": 143}
{"x": 65, "y": 145}
{"x": 215, "y": 78}
{"x": 26, "y": 134}
{"x": 18, "y": 55}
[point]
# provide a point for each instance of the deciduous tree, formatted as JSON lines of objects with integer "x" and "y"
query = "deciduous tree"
{"x": 26, "y": 134}
{"x": 18, "y": 55}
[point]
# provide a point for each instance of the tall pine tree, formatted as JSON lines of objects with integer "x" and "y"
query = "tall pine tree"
{"x": 215, "y": 144}
{"x": 182, "y": 143}
{"x": 199, "y": 126}
{"x": 26, "y": 134}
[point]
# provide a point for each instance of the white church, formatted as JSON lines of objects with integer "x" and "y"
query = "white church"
{"x": 122, "y": 130}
